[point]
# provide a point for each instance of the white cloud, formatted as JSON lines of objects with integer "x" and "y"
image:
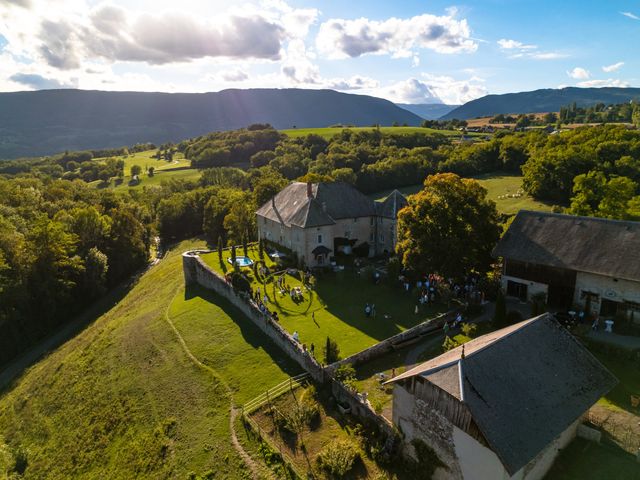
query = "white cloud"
{"x": 612, "y": 68}
{"x": 548, "y": 56}
{"x": 630, "y": 15}
{"x": 433, "y": 89}
{"x": 340, "y": 38}
{"x": 514, "y": 44}
{"x": 517, "y": 49}
{"x": 38, "y": 82}
{"x": 354, "y": 83}
{"x": 579, "y": 73}
{"x": 611, "y": 82}
{"x": 235, "y": 75}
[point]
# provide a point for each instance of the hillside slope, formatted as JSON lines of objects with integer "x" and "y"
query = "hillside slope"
{"x": 545, "y": 100}
{"x": 428, "y": 111}
{"x": 123, "y": 400}
{"x": 50, "y": 121}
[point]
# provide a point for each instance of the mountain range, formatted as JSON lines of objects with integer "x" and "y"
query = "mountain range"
{"x": 50, "y": 121}
{"x": 428, "y": 111}
{"x": 545, "y": 100}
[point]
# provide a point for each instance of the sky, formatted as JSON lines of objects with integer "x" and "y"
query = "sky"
{"x": 407, "y": 51}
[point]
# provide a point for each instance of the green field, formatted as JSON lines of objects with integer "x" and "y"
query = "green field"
{"x": 335, "y": 308}
{"x": 178, "y": 169}
{"x": 503, "y": 188}
{"x": 329, "y": 132}
{"x": 123, "y": 400}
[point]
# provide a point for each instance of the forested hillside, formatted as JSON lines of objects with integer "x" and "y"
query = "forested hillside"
{"x": 545, "y": 100}
{"x": 65, "y": 238}
{"x": 51, "y": 121}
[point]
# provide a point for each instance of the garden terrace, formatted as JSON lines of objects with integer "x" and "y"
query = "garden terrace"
{"x": 334, "y": 307}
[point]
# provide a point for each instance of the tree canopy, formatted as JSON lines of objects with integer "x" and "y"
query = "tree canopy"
{"x": 448, "y": 228}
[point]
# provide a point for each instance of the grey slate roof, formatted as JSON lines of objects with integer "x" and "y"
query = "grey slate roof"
{"x": 391, "y": 205}
{"x": 523, "y": 385}
{"x": 328, "y": 202}
{"x": 584, "y": 244}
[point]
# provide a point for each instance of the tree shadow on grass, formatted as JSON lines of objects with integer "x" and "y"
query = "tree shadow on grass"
{"x": 346, "y": 294}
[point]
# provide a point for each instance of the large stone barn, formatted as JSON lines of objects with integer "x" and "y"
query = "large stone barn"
{"x": 318, "y": 220}
{"x": 502, "y": 405}
{"x": 574, "y": 261}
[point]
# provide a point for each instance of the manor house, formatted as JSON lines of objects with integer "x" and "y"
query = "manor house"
{"x": 316, "y": 221}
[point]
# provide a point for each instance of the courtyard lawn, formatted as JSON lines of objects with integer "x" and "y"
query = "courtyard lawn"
{"x": 335, "y": 308}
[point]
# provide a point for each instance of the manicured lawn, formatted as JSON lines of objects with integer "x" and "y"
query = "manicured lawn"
{"x": 629, "y": 378}
{"x": 584, "y": 460}
{"x": 335, "y": 308}
{"x": 329, "y": 132}
{"x": 503, "y": 188}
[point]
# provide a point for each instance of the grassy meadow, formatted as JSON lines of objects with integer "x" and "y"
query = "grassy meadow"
{"x": 123, "y": 400}
{"x": 503, "y": 188}
{"x": 335, "y": 308}
{"x": 329, "y": 132}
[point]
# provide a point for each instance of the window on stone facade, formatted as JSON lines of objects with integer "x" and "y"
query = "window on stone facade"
{"x": 320, "y": 238}
{"x": 371, "y": 221}
{"x": 347, "y": 234}
{"x": 382, "y": 237}
{"x": 371, "y": 237}
{"x": 355, "y": 220}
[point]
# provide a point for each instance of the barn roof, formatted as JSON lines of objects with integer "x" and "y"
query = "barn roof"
{"x": 584, "y": 244}
{"x": 523, "y": 385}
{"x": 327, "y": 203}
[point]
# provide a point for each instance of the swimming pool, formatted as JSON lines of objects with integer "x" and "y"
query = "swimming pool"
{"x": 242, "y": 261}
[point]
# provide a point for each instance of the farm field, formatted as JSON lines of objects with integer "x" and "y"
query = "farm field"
{"x": 335, "y": 308}
{"x": 329, "y": 132}
{"x": 123, "y": 400}
{"x": 502, "y": 188}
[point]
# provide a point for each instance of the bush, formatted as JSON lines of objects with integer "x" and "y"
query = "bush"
{"x": 469, "y": 329}
{"x": 449, "y": 344}
{"x": 240, "y": 282}
{"x": 428, "y": 460}
{"x": 346, "y": 375}
{"x": 338, "y": 458}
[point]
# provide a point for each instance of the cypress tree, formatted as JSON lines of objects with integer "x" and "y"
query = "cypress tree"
{"x": 220, "y": 248}
{"x": 500, "y": 314}
{"x": 244, "y": 245}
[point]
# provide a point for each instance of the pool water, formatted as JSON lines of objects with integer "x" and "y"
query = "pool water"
{"x": 242, "y": 261}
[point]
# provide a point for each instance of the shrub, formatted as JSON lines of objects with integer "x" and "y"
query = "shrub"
{"x": 338, "y": 458}
{"x": 346, "y": 374}
{"x": 469, "y": 329}
{"x": 449, "y": 344}
{"x": 240, "y": 282}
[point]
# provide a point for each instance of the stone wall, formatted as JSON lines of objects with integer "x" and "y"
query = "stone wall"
{"x": 198, "y": 272}
{"x": 397, "y": 341}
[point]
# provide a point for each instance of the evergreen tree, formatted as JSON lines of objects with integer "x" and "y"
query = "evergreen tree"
{"x": 220, "y": 247}
{"x": 500, "y": 314}
{"x": 331, "y": 352}
{"x": 261, "y": 249}
{"x": 245, "y": 250}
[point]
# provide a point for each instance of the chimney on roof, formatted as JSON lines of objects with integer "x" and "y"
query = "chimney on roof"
{"x": 309, "y": 190}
